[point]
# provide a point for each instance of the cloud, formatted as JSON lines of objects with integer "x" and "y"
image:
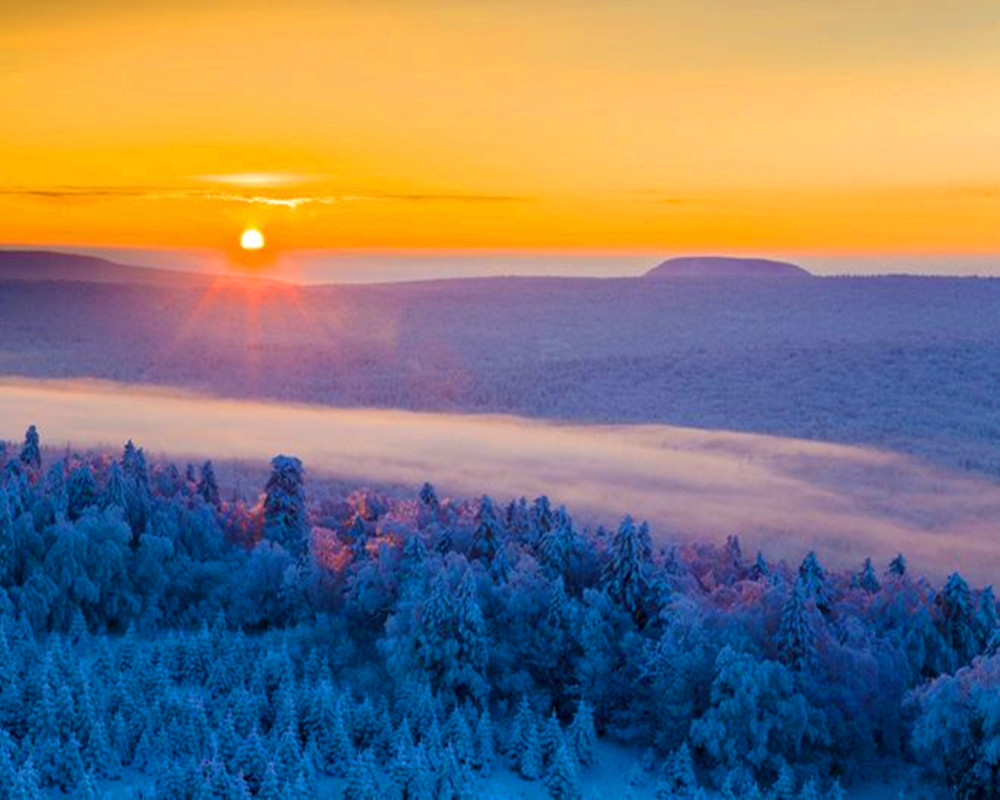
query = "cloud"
{"x": 96, "y": 193}
{"x": 260, "y": 178}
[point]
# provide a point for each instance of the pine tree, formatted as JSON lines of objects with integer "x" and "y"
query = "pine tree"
{"x": 288, "y": 755}
{"x": 31, "y": 451}
{"x": 87, "y": 789}
{"x": 8, "y": 544}
{"x": 582, "y": 736}
{"x": 98, "y": 755}
{"x": 362, "y": 778}
{"x": 429, "y": 498}
{"x": 488, "y": 538}
{"x": 471, "y": 649}
{"x": 340, "y": 750}
{"x": 81, "y": 491}
{"x": 56, "y": 493}
{"x": 402, "y": 767}
{"x": 286, "y": 521}
{"x": 795, "y": 638}
{"x": 520, "y": 522}
{"x": 867, "y": 579}
{"x": 897, "y": 567}
{"x": 679, "y": 778}
{"x": 541, "y": 515}
{"x": 270, "y": 788}
{"x": 626, "y": 575}
{"x": 562, "y": 781}
{"x": 485, "y": 746}
{"x": 752, "y": 790}
{"x": 301, "y": 788}
{"x": 959, "y": 626}
{"x": 60, "y": 763}
{"x": 558, "y": 544}
{"x": 551, "y": 736}
{"x": 115, "y": 493}
{"x": 809, "y": 791}
{"x": 812, "y": 578}
{"x": 986, "y": 619}
{"x": 28, "y": 782}
{"x": 208, "y": 488}
{"x": 458, "y": 735}
{"x": 451, "y": 642}
{"x": 138, "y": 500}
{"x": 734, "y": 553}
{"x": 454, "y": 779}
{"x": 784, "y": 786}
{"x": 8, "y": 772}
{"x": 760, "y": 568}
{"x": 529, "y": 760}
{"x": 252, "y": 758}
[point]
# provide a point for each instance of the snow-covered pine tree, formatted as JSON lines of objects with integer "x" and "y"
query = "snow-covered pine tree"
{"x": 138, "y": 500}
{"x": 897, "y": 567}
{"x": 81, "y": 491}
{"x": 114, "y": 492}
{"x": 557, "y": 545}
{"x": 795, "y": 637}
{"x": 470, "y": 645}
{"x": 986, "y": 618}
{"x": 429, "y": 498}
{"x": 458, "y": 736}
{"x": 8, "y": 544}
{"x": 208, "y": 487}
{"x": 529, "y": 759}
{"x": 627, "y": 573}
{"x": 362, "y": 778}
{"x": 866, "y": 579}
{"x": 31, "y": 451}
{"x": 582, "y": 736}
{"x": 679, "y": 778}
{"x": 286, "y": 521}
{"x": 809, "y": 790}
{"x": 488, "y": 540}
{"x": 551, "y": 736}
{"x": 760, "y": 569}
{"x": 562, "y": 778}
{"x": 812, "y": 578}
{"x": 784, "y": 785}
{"x": 958, "y": 623}
{"x": 484, "y": 754}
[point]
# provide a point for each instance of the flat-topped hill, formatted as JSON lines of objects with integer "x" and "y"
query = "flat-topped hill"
{"x": 726, "y": 267}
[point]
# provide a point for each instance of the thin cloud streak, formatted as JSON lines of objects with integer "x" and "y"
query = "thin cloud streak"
{"x": 70, "y": 194}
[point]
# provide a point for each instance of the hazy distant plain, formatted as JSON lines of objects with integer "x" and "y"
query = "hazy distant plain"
{"x": 901, "y": 363}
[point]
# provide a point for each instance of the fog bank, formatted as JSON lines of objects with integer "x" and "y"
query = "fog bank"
{"x": 784, "y": 495}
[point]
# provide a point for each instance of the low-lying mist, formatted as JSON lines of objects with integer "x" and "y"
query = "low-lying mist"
{"x": 783, "y": 494}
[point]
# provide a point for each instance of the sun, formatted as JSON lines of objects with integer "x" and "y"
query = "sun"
{"x": 252, "y": 239}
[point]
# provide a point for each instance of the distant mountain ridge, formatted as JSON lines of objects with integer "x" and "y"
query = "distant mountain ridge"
{"x": 47, "y": 265}
{"x": 726, "y": 267}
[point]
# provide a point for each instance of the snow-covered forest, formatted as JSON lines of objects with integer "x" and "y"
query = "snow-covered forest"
{"x": 161, "y": 634}
{"x": 910, "y": 364}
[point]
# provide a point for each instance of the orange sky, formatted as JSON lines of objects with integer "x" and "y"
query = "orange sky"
{"x": 776, "y": 125}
